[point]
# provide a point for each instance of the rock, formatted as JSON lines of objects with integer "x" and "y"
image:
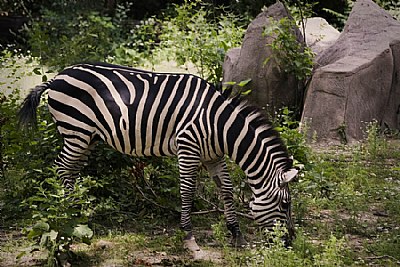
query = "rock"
{"x": 357, "y": 78}
{"x": 230, "y": 62}
{"x": 319, "y": 34}
{"x": 271, "y": 86}
{"x": 103, "y": 244}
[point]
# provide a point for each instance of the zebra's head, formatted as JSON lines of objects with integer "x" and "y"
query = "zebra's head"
{"x": 271, "y": 202}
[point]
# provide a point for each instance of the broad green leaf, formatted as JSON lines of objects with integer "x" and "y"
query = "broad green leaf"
{"x": 41, "y": 226}
{"x": 82, "y": 230}
{"x": 53, "y": 235}
{"x": 37, "y": 71}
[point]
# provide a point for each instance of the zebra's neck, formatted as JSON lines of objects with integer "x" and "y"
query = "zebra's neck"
{"x": 249, "y": 140}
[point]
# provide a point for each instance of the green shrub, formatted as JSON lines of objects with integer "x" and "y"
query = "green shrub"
{"x": 71, "y": 33}
{"x": 60, "y": 41}
{"x": 59, "y": 218}
{"x": 193, "y": 35}
{"x": 23, "y": 152}
{"x": 190, "y": 34}
{"x": 292, "y": 56}
{"x": 294, "y": 138}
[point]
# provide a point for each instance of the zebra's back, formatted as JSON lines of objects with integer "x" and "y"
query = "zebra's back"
{"x": 136, "y": 112}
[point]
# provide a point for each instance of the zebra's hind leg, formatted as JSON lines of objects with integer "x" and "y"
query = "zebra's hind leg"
{"x": 219, "y": 172}
{"x": 72, "y": 158}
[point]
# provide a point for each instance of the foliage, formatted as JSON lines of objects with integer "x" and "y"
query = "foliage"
{"x": 274, "y": 253}
{"x": 60, "y": 218}
{"x": 140, "y": 45}
{"x": 191, "y": 35}
{"x": 292, "y": 56}
{"x": 14, "y": 7}
{"x": 294, "y": 139}
{"x": 375, "y": 142}
{"x": 31, "y": 8}
{"x": 341, "y": 17}
{"x": 82, "y": 38}
{"x": 188, "y": 33}
{"x": 24, "y": 151}
{"x": 270, "y": 250}
{"x": 300, "y": 9}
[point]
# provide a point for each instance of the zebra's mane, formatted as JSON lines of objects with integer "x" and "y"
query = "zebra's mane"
{"x": 260, "y": 120}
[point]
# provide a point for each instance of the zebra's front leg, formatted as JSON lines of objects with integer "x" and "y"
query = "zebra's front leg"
{"x": 187, "y": 189}
{"x": 219, "y": 172}
{"x": 188, "y": 167}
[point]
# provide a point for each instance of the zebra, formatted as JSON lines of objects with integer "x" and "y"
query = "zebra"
{"x": 142, "y": 113}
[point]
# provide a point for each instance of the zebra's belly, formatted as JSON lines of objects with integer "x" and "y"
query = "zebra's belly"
{"x": 136, "y": 146}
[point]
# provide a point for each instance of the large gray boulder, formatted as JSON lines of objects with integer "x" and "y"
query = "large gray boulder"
{"x": 319, "y": 34}
{"x": 357, "y": 78}
{"x": 271, "y": 87}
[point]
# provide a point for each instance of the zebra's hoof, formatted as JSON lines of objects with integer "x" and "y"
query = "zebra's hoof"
{"x": 239, "y": 242}
{"x": 191, "y": 244}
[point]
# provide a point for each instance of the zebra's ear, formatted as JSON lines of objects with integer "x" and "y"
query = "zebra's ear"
{"x": 288, "y": 176}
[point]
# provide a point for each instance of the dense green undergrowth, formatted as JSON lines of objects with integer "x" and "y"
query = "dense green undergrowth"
{"x": 345, "y": 208}
{"x": 190, "y": 32}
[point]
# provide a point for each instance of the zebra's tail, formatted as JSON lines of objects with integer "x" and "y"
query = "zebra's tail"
{"x": 27, "y": 114}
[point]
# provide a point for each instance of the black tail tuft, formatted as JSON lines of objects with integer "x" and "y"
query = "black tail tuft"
{"x": 27, "y": 113}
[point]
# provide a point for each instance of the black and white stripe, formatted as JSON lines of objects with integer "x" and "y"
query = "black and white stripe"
{"x": 142, "y": 113}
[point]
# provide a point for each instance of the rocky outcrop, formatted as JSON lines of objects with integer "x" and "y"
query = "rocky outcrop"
{"x": 357, "y": 78}
{"x": 319, "y": 34}
{"x": 271, "y": 87}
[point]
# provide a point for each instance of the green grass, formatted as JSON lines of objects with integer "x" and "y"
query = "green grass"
{"x": 346, "y": 207}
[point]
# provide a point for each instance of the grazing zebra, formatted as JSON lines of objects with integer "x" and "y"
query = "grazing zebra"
{"x": 141, "y": 113}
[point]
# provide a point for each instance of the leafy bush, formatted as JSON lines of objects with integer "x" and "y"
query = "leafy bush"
{"x": 295, "y": 140}
{"x": 189, "y": 32}
{"x": 59, "y": 218}
{"x": 76, "y": 36}
{"x": 57, "y": 35}
{"x": 270, "y": 250}
{"x": 22, "y": 151}
{"x": 14, "y": 7}
{"x": 291, "y": 55}
{"x": 193, "y": 35}
{"x": 140, "y": 45}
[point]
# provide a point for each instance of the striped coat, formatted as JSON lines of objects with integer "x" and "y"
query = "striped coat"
{"x": 141, "y": 113}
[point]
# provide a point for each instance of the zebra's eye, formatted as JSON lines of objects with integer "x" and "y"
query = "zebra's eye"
{"x": 285, "y": 205}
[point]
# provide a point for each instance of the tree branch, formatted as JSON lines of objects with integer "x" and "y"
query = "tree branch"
{"x": 218, "y": 209}
{"x": 148, "y": 199}
{"x": 383, "y": 257}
